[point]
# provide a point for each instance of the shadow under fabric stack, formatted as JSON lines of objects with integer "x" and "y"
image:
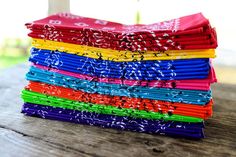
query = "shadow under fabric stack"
{"x": 146, "y": 78}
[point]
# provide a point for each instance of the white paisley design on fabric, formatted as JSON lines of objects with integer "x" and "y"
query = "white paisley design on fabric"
{"x": 57, "y": 22}
{"x": 101, "y": 22}
{"x": 108, "y": 28}
{"x": 81, "y": 24}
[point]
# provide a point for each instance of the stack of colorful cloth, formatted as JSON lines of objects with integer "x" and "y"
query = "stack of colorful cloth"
{"x": 146, "y": 78}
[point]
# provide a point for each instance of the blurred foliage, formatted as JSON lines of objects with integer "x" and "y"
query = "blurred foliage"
{"x": 13, "y": 51}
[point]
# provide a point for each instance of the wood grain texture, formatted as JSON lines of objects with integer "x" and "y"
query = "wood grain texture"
{"x": 28, "y": 136}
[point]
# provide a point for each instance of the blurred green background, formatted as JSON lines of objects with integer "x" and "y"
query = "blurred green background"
{"x": 13, "y": 51}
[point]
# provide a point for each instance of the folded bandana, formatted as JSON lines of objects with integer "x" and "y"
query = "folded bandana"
{"x": 142, "y": 70}
{"x": 182, "y": 129}
{"x": 122, "y": 101}
{"x": 165, "y": 94}
{"x": 193, "y": 84}
{"x": 189, "y": 32}
{"x": 121, "y": 56}
{"x": 38, "y": 98}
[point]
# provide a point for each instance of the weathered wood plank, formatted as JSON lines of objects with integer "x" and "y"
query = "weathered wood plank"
{"x": 14, "y": 143}
{"x": 28, "y": 136}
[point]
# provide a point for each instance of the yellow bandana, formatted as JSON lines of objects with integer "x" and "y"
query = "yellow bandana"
{"x": 121, "y": 56}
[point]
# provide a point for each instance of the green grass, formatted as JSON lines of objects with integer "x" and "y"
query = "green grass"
{"x": 10, "y": 56}
{"x": 8, "y": 61}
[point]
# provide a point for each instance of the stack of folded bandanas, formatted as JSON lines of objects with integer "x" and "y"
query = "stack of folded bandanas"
{"x": 146, "y": 78}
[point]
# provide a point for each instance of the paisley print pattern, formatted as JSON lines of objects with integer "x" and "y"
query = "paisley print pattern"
{"x": 123, "y": 102}
{"x": 173, "y": 95}
{"x": 192, "y": 130}
{"x": 151, "y": 78}
{"x": 38, "y": 98}
{"x": 121, "y": 56}
{"x": 142, "y": 70}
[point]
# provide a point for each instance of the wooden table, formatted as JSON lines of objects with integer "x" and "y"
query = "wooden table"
{"x": 28, "y": 136}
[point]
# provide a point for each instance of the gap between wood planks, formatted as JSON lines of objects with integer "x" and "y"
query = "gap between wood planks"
{"x": 51, "y": 144}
